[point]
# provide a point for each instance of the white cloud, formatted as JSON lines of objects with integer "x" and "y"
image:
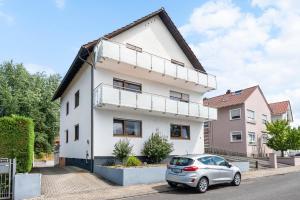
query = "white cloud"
{"x": 244, "y": 49}
{"x": 34, "y": 68}
{"x": 60, "y": 4}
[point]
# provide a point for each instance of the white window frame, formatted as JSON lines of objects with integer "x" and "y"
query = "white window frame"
{"x": 263, "y": 136}
{"x": 236, "y": 133}
{"x": 264, "y": 118}
{"x": 230, "y": 117}
{"x": 251, "y": 142}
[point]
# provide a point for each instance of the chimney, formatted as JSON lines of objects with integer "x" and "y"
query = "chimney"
{"x": 228, "y": 91}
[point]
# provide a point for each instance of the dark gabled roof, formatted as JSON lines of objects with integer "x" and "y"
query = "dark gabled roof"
{"x": 86, "y": 48}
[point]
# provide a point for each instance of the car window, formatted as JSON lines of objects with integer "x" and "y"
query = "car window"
{"x": 181, "y": 161}
{"x": 219, "y": 161}
{"x": 206, "y": 160}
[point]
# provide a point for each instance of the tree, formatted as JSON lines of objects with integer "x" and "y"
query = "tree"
{"x": 122, "y": 150}
{"x": 282, "y": 136}
{"x": 30, "y": 95}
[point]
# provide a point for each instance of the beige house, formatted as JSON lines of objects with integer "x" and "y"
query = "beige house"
{"x": 281, "y": 111}
{"x": 240, "y": 127}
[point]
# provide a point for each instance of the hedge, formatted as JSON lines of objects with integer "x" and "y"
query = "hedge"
{"x": 17, "y": 141}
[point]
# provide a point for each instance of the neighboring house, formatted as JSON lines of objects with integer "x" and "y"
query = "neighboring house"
{"x": 144, "y": 79}
{"x": 281, "y": 111}
{"x": 240, "y": 127}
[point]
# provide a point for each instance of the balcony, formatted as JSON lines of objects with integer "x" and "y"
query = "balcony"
{"x": 119, "y": 58}
{"x": 108, "y": 97}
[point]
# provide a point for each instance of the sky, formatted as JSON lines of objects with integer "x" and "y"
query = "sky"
{"x": 243, "y": 43}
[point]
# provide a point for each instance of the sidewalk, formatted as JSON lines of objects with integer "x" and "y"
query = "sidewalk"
{"x": 136, "y": 190}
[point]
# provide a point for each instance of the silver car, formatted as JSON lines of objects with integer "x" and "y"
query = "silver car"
{"x": 201, "y": 171}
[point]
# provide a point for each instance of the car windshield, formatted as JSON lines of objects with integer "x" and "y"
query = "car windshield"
{"x": 181, "y": 161}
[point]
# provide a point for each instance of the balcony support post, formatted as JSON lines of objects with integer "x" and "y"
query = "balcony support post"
{"x": 136, "y": 101}
{"x": 119, "y": 98}
{"x": 176, "y": 72}
{"x": 119, "y": 54}
{"x": 136, "y": 54}
{"x": 164, "y": 68}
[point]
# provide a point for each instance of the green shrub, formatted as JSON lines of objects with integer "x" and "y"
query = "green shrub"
{"x": 17, "y": 141}
{"x": 122, "y": 150}
{"x": 132, "y": 161}
{"x": 157, "y": 148}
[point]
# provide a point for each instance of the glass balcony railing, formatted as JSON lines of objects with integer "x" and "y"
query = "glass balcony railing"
{"x": 153, "y": 63}
{"x": 161, "y": 105}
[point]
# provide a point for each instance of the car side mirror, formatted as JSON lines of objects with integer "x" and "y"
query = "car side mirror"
{"x": 228, "y": 165}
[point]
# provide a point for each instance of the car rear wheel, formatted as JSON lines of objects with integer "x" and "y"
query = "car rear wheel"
{"x": 172, "y": 185}
{"x": 202, "y": 185}
{"x": 236, "y": 179}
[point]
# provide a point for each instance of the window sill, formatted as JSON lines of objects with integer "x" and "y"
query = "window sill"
{"x": 236, "y": 141}
{"x": 235, "y": 119}
{"x": 253, "y": 144}
{"x": 175, "y": 138}
{"x": 130, "y": 136}
{"x": 251, "y": 122}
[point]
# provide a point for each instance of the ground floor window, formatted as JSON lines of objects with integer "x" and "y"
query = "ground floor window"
{"x": 125, "y": 127}
{"x": 236, "y": 136}
{"x": 251, "y": 138}
{"x": 180, "y": 131}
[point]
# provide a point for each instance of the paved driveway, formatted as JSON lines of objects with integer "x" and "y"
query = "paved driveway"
{"x": 57, "y": 181}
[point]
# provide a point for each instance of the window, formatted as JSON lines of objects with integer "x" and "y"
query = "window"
{"x": 265, "y": 138}
{"x": 180, "y": 131}
{"x": 124, "y": 127}
{"x": 181, "y": 161}
{"x": 177, "y": 62}
{"x": 127, "y": 85}
{"x": 76, "y": 132}
{"x": 133, "y": 47}
{"x": 251, "y": 138}
{"x": 235, "y": 114}
{"x": 236, "y": 136}
{"x": 219, "y": 161}
{"x": 264, "y": 119}
{"x": 178, "y": 96}
{"x": 206, "y": 124}
{"x": 77, "y": 99}
{"x": 250, "y": 116}
{"x": 67, "y": 136}
{"x": 67, "y": 108}
{"x": 206, "y": 160}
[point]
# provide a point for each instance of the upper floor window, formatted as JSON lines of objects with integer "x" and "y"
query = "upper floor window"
{"x": 180, "y": 131}
{"x": 250, "y": 116}
{"x": 67, "y": 108}
{"x": 265, "y": 138}
{"x": 235, "y": 114}
{"x": 236, "y": 136}
{"x": 264, "y": 119}
{"x": 76, "y": 132}
{"x": 178, "y": 96}
{"x": 67, "y": 136}
{"x": 77, "y": 99}
{"x": 251, "y": 138}
{"x": 176, "y": 62}
{"x": 133, "y": 47}
{"x": 206, "y": 124}
{"x": 123, "y": 127}
{"x": 127, "y": 85}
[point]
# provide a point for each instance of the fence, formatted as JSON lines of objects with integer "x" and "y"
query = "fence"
{"x": 7, "y": 172}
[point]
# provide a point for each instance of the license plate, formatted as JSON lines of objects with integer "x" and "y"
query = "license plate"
{"x": 175, "y": 170}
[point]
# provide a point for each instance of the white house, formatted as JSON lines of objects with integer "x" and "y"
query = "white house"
{"x": 282, "y": 111}
{"x": 137, "y": 80}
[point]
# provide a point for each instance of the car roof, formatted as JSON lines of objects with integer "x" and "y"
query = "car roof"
{"x": 195, "y": 156}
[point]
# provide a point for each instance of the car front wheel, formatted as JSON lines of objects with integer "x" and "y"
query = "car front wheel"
{"x": 236, "y": 179}
{"x": 202, "y": 185}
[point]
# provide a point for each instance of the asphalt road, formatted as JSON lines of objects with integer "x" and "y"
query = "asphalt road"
{"x": 280, "y": 187}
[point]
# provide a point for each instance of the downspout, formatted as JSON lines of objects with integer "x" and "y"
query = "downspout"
{"x": 92, "y": 65}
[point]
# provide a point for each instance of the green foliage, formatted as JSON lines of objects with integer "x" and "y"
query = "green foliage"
{"x": 29, "y": 95}
{"x": 282, "y": 136}
{"x": 132, "y": 161}
{"x": 157, "y": 148}
{"x": 17, "y": 141}
{"x": 122, "y": 150}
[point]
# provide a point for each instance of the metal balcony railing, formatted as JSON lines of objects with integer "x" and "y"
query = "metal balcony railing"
{"x": 108, "y": 95}
{"x": 153, "y": 63}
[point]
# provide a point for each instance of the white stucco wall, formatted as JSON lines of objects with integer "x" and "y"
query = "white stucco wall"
{"x": 104, "y": 140}
{"x": 154, "y": 37}
{"x": 80, "y": 115}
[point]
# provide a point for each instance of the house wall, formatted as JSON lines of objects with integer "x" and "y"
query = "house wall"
{"x": 80, "y": 115}
{"x": 219, "y": 131}
{"x": 257, "y": 103}
{"x": 159, "y": 40}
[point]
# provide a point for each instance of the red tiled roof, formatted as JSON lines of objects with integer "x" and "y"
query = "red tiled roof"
{"x": 279, "y": 108}
{"x": 230, "y": 99}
